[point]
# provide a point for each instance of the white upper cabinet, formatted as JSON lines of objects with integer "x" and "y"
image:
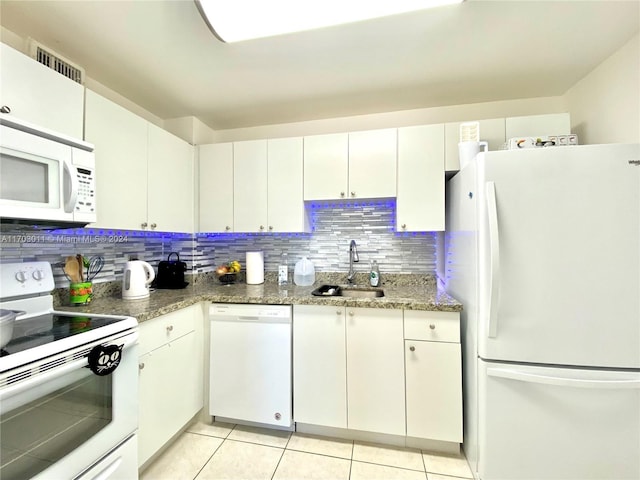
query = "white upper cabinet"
{"x": 216, "y": 187}
{"x": 250, "y": 186}
{"x": 144, "y": 174}
{"x": 372, "y": 163}
{"x": 120, "y": 140}
{"x": 491, "y": 131}
{"x": 420, "y": 201}
{"x": 326, "y": 166}
{"x": 286, "y": 211}
{"x": 40, "y": 95}
{"x": 170, "y": 180}
{"x": 350, "y": 165}
{"x": 258, "y": 186}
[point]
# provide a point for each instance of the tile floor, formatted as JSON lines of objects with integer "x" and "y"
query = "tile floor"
{"x": 226, "y": 451}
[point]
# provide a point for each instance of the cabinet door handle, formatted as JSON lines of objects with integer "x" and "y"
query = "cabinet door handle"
{"x": 153, "y": 226}
{"x": 351, "y": 314}
{"x": 403, "y": 226}
{"x": 227, "y": 228}
{"x": 412, "y": 348}
{"x": 5, "y": 109}
{"x": 432, "y": 326}
{"x": 341, "y": 194}
{"x": 261, "y": 227}
{"x": 353, "y": 194}
{"x": 144, "y": 225}
{"x": 338, "y": 312}
{"x": 170, "y": 328}
{"x": 141, "y": 366}
{"x": 270, "y": 228}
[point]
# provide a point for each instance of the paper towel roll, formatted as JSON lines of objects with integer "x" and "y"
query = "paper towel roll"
{"x": 255, "y": 268}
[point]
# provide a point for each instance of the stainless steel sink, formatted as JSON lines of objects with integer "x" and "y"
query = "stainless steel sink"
{"x": 361, "y": 292}
{"x": 347, "y": 291}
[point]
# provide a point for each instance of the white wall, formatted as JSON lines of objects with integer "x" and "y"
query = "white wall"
{"x": 422, "y": 116}
{"x": 191, "y": 129}
{"x": 605, "y": 105}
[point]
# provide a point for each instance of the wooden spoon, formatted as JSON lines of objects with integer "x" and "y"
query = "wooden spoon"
{"x": 71, "y": 268}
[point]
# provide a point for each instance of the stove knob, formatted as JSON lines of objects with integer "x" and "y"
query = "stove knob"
{"x": 38, "y": 275}
{"x": 21, "y": 276}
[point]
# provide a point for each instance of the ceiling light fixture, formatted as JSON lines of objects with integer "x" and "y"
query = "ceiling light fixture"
{"x": 237, "y": 20}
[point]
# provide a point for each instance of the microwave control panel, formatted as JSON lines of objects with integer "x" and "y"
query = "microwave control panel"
{"x": 86, "y": 201}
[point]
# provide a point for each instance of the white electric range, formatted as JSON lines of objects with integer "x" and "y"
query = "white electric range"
{"x": 68, "y": 385}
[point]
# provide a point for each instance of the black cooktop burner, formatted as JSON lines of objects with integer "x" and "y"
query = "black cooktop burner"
{"x": 43, "y": 329}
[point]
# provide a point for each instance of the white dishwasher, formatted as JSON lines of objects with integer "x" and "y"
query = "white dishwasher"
{"x": 250, "y": 374}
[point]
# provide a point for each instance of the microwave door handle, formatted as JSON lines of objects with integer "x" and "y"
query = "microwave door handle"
{"x": 71, "y": 172}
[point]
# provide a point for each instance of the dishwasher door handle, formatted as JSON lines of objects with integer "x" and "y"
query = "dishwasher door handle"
{"x": 250, "y": 319}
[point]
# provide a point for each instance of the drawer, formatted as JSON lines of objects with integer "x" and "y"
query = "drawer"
{"x": 432, "y": 326}
{"x": 166, "y": 328}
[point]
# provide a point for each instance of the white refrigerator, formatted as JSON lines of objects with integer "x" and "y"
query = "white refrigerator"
{"x": 543, "y": 249}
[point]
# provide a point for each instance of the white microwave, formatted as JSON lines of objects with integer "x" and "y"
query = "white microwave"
{"x": 46, "y": 178}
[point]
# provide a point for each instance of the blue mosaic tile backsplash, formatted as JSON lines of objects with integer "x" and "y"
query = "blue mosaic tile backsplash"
{"x": 334, "y": 224}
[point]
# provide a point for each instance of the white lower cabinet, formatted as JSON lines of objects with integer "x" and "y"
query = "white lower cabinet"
{"x": 378, "y": 370}
{"x": 433, "y": 375}
{"x": 348, "y": 367}
{"x": 171, "y": 377}
{"x": 319, "y": 365}
{"x": 375, "y": 370}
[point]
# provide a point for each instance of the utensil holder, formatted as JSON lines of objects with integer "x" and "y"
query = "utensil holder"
{"x": 80, "y": 293}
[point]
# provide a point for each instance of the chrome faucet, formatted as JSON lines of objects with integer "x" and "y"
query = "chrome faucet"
{"x": 353, "y": 258}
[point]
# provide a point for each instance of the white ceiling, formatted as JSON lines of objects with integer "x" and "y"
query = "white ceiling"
{"x": 162, "y": 56}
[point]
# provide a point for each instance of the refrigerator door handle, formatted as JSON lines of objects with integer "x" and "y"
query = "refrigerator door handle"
{"x": 494, "y": 247}
{"x": 562, "y": 382}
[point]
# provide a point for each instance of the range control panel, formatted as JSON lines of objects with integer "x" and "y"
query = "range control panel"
{"x": 30, "y": 278}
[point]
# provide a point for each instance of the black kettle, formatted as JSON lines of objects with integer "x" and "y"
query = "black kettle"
{"x": 171, "y": 273}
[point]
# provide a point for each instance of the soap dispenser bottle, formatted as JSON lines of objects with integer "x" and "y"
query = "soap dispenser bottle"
{"x": 374, "y": 276}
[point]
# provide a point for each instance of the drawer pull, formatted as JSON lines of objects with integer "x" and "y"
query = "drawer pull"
{"x": 412, "y": 348}
{"x": 170, "y": 328}
{"x": 141, "y": 366}
{"x": 432, "y": 326}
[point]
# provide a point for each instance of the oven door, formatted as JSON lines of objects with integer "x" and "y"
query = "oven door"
{"x": 58, "y": 418}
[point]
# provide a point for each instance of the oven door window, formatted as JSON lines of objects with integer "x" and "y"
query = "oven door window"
{"x": 48, "y": 421}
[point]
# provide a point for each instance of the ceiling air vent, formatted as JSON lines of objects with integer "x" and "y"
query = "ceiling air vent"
{"x": 56, "y": 62}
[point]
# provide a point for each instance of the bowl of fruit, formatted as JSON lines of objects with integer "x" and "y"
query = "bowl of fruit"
{"x": 228, "y": 273}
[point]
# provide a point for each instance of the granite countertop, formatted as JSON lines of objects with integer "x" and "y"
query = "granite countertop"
{"x": 416, "y": 295}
